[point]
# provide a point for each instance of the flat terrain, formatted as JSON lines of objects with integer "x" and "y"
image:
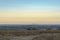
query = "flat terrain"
{"x": 43, "y": 36}
{"x": 23, "y": 38}
{"x": 30, "y": 34}
{"x": 17, "y": 38}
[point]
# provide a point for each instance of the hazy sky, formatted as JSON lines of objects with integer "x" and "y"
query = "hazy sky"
{"x": 30, "y": 11}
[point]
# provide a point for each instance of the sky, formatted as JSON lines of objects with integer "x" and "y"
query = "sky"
{"x": 30, "y": 11}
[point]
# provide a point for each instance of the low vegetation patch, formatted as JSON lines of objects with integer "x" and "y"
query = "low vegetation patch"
{"x": 49, "y": 36}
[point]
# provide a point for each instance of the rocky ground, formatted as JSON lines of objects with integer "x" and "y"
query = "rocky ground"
{"x": 16, "y": 37}
{"x": 48, "y": 36}
{"x": 43, "y": 36}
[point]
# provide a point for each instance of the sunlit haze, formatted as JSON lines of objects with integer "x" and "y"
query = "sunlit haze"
{"x": 30, "y": 11}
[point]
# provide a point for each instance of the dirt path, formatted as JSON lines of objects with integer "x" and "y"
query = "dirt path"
{"x": 17, "y": 37}
{"x": 23, "y": 38}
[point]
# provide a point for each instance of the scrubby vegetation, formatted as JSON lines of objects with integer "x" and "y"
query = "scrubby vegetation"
{"x": 32, "y": 28}
{"x": 48, "y": 36}
{"x": 29, "y": 31}
{"x": 4, "y": 38}
{"x": 43, "y": 33}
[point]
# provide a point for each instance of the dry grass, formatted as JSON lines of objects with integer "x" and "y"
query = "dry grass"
{"x": 43, "y": 34}
{"x": 26, "y": 32}
{"x": 48, "y": 36}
